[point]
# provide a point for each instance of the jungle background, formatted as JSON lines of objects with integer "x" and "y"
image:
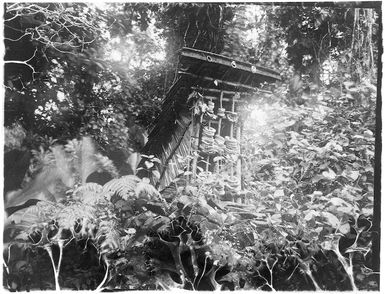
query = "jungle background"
{"x": 83, "y": 84}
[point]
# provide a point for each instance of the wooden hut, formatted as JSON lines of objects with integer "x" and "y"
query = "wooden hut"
{"x": 199, "y": 119}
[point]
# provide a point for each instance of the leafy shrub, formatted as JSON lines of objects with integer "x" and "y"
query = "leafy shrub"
{"x": 302, "y": 220}
{"x": 13, "y": 137}
{"x": 89, "y": 213}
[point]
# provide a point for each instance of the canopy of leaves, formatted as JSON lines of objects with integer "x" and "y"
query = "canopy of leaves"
{"x": 315, "y": 34}
{"x": 60, "y": 82}
{"x": 303, "y": 216}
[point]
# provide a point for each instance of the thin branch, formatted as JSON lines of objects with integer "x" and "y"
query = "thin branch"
{"x": 185, "y": 34}
{"x": 347, "y": 267}
{"x": 293, "y": 272}
{"x": 12, "y": 28}
{"x": 25, "y": 62}
{"x": 321, "y": 47}
{"x": 59, "y": 17}
{"x": 18, "y": 39}
{"x": 60, "y": 244}
{"x": 208, "y": 16}
{"x": 17, "y": 8}
{"x": 9, "y": 7}
{"x": 99, "y": 288}
{"x": 271, "y": 272}
{"x": 13, "y": 17}
{"x": 203, "y": 272}
{"x": 266, "y": 281}
{"x": 354, "y": 28}
{"x": 49, "y": 251}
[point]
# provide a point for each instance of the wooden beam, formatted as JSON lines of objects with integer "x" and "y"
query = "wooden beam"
{"x": 227, "y": 61}
{"x": 229, "y": 92}
{"x": 220, "y": 118}
{"x": 245, "y": 93}
{"x": 223, "y": 99}
{"x": 232, "y": 123}
{"x": 239, "y": 163}
{"x": 197, "y": 127}
{"x": 232, "y": 133}
{"x": 236, "y": 85}
{"x": 207, "y": 162}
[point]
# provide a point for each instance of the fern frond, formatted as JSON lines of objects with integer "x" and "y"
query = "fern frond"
{"x": 89, "y": 193}
{"x": 146, "y": 191}
{"x": 73, "y": 147}
{"x": 170, "y": 192}
{"x": 86, "y": 160}
{"x": 81, "y": 153}
{"x": 90, "y": 187}
{"x": 62, "y": 166}
{"x": 104, "y": 163}
{"x": 87, "y": 228}
{"x": 54, "y": 171}
{"x": 35, "y": 189}
{"x": 24, "y": 217}
{"x": 32, "y": 216}
{"x": 41, "y": 159}
{"x": 88, "y": 163}
{"x": 48, "y": 209}
{"x": 69, "y": 215}
{"x": 108, "y": 236}
{"x": 123, "y": 187}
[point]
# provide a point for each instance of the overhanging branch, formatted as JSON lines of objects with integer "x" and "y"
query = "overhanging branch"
{"x": 24, "y": 62}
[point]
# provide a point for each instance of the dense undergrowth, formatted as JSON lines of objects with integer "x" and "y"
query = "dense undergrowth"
{"x": 302, "y": 221}
{"x": 81, "y": 220}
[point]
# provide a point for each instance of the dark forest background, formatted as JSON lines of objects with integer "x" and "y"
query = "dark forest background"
{"x": 83, "y": 84}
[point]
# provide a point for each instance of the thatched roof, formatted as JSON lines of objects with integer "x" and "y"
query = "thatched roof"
{"x": 170, "y": 137}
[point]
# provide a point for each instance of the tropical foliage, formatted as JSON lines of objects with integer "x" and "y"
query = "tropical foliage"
{"x": 83, "y": 83}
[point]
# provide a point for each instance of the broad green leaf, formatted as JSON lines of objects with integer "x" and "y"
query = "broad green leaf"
{"x": 368, "y": 134}
{"x": 146, "y": 180}
{"x": 329, "y": 174}
{"x": 338, "y": 201}
{"x": 344, "y": 209}
{"x": 291, "y": 212}
{"x": 22, "y": 236}
{"x": 156, "y": 174}
{"x": 367, "y": 211}
{"x": 311, "y": 214}
{"x": 156, "y": 208}
{"x": 202, "y": 210}
{"x": 331, "y": 218}
{"x": 148, "y": 164}
{"x": 217, "y": 158}
{"x": 156, "y": 160}
{"x": 279, "y": 193}
{"x": 345, "y": 228}
{"x": 353, "y": 175}
{"x": 327, "y": 245}
{"x": 185, "y": 200}
{"x": 317, "y": 178}
{"x": 348, "y": 84}
{"x": 276, "y": 219}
